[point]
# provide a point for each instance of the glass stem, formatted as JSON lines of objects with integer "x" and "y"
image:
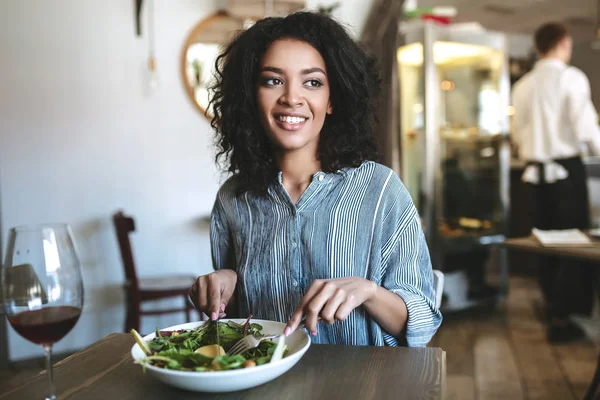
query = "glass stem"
{"x": 50, "y": 371}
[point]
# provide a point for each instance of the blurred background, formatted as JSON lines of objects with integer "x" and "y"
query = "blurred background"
{"x": 104, "y": 107}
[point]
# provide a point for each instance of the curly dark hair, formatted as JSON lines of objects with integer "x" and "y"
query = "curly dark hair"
{"x": 346, "y": 139}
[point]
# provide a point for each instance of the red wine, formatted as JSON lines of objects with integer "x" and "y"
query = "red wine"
{"x": 46, "y": 325}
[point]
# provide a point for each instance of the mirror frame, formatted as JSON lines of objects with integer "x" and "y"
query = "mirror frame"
{"x": 190, "y": 39}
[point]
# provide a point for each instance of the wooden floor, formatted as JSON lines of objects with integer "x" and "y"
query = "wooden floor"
{"x": 505, "y": 354}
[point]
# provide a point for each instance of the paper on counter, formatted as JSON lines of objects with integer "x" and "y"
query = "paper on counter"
{"x": 563, "y": 237}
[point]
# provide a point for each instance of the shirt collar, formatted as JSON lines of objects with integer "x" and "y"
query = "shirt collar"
{"x": 555, "y": 62}
{"x": 319, "y": 176}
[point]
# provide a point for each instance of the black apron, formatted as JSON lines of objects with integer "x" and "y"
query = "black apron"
{"x": 567, "y": 284}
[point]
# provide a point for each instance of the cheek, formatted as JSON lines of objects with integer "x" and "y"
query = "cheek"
{"x": 320, "y": 112}
{"x": 325, "y": 100}
{"x": 322, "y": 106}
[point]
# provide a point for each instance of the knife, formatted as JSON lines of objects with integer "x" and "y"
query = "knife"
{"x": 217, "y": 328}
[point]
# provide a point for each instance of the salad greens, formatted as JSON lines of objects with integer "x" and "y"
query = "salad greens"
{"x": 197, "y": 350}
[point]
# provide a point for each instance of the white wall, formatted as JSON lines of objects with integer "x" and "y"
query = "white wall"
{"x": 81, "y": 138}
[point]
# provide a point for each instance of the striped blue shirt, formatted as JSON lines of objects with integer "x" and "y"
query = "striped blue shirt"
{"x": 356, "y": 222}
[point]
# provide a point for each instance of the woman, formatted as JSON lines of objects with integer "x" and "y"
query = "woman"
{"x": 308, "y": 225}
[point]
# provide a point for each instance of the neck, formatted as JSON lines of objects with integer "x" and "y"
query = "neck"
{"x": 297, "y": 170}
{"x": 553, "y": 56}
{"x": 298, "y": 167}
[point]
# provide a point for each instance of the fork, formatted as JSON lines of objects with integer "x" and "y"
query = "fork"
{"x": 248, "y": 342}
{"x": 251, "y": 341}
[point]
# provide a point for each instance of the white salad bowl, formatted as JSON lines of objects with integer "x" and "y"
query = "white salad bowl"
{"x": 233, "y": 380}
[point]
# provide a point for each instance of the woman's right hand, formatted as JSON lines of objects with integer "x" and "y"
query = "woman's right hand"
{"x": 211, "y": 293}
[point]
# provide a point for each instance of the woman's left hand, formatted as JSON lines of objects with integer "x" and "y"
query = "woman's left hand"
{"x": 330, "y": 300}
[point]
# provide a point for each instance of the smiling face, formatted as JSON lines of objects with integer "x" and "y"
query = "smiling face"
{"x": 293, "y": 95}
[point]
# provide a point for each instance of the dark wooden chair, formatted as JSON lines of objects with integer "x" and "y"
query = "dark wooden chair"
{"x": 139, "y": 290}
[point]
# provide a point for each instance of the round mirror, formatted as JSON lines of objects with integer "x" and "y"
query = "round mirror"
{"x": 200, "y": 52}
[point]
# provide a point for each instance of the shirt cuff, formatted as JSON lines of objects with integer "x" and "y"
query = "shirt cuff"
{"x": 424, "y": 318}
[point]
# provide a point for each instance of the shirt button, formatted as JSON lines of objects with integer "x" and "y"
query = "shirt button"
{"x": 321, "y": 177}
{"x": 294, "y": 245}
{"x": 294, "y": 283}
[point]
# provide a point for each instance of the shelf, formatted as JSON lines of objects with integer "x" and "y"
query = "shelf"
{"x": 469, "y": 241}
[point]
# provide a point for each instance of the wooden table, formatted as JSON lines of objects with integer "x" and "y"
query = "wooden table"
{"x": 105, "y": 370}
{"x": 585, "y": 253}
{"x": 530, "y": 244}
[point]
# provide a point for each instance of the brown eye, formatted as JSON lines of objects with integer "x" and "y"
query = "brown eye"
{"x": 314, "y": 83}
{"x": 272, "y": 81}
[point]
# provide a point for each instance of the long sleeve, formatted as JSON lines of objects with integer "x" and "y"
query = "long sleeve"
{"x": 582, "y": 114}
{"x": 407, "y": 271}
{"x": 517, "y": 119}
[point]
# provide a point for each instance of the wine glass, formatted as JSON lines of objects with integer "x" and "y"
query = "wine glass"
{"x": 41, "y": 286}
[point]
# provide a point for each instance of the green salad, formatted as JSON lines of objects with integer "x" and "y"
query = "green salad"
{"x": 201, "y": 349}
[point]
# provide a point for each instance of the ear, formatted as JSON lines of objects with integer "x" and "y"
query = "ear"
{"x": 562, "y": 43}
{"x": 329, "y": 108}
{"x": 565, "y": 42}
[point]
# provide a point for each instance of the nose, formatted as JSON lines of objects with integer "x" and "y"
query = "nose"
{"x": 291, "y": 97}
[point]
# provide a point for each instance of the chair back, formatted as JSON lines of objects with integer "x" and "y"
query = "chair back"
{"x": 438, "y": 286}
{"x": 123, "y": 226}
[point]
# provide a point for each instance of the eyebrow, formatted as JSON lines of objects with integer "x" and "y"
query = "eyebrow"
{"x": 304, "y": 71}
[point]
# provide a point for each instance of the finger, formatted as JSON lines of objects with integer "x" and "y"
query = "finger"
{"x": 314, "y": 308}
{"x": 344, "y": 310}
{"x": 294, "y": 321}
{"x": 214, "y": 296}
{"x": 296, "y": 317}
{"x": 226, "y": 293}
{"x": 328, "y": 314}
{"x": 193, "y": 293}
{"x": 201, "y": 293}
{"x": 312, "y": 291}
{"x": 312, "y": 316}
{"x": 196, "y": 294}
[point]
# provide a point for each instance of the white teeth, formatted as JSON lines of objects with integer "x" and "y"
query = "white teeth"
{"x": 291, "y": 120}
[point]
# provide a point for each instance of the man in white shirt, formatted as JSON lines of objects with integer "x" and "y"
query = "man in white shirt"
{"x": 554, "y": 121}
